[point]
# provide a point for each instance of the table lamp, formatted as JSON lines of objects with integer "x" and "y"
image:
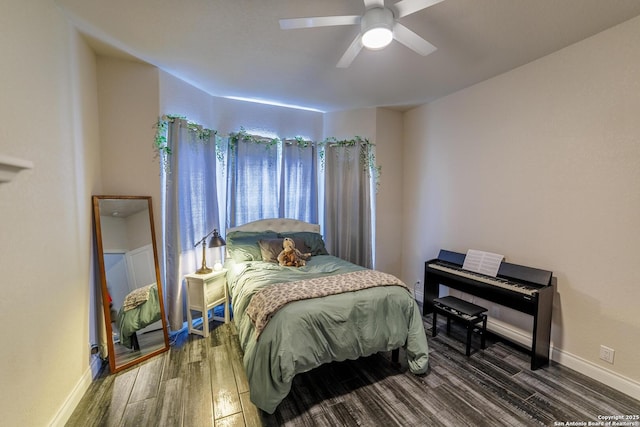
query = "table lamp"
{"x": 215, "y": 242}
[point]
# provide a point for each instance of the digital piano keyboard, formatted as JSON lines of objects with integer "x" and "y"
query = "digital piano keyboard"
{"x": 521, "y": 288}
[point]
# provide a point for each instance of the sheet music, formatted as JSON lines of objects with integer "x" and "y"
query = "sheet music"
{"x": 482, "y": 262}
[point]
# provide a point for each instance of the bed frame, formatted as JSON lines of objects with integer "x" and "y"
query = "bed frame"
{"x": 278, "y": 225}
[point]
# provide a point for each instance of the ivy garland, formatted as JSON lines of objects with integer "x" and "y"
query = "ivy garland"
{"x": 299, "y": 141}
{"x": 367, "y": 154}
{"x": 163, "y": 151}
{"x": 161, "y": 144}
{"x": 242, "y": 135}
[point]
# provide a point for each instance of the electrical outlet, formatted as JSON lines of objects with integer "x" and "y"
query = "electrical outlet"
{"x": 606, "y": 354}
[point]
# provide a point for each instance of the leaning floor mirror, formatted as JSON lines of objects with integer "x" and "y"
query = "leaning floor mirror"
{"x": 134, "y": 315}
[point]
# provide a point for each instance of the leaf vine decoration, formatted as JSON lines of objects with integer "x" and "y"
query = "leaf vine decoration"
{"x": 161, "y": 143}
{"x": 220, "y": 149}
{"x": 367, "y": 156}
{"x": 299, "y": 141}
{"x": 243, "y": 135}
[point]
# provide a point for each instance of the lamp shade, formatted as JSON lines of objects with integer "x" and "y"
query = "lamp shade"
{"x": 216, "y": 240}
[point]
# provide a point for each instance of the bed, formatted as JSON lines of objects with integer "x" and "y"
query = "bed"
{"x": 140, "y": 309}
{"x": 305, "y": 333}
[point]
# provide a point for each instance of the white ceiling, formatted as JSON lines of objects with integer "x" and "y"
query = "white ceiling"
{"x": 122, "y": 208}
{"x": 236, "y": 47}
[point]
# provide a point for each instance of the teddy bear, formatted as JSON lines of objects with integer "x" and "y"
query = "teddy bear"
{"x": 290, "y": 256}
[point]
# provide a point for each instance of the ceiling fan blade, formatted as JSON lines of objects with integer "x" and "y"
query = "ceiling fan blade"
{"x": 412, "y": 40}
{"x": 373, "y": 3}
{"x": 407, "y": 7}
{"x": 350, "y": 54}
{"x": 318, "y": 21}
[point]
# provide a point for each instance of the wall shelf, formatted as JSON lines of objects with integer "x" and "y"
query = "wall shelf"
{"x": 10, "y": 166}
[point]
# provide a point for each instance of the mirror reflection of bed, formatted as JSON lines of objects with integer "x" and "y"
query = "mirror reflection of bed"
{"x": 134, "y": 313}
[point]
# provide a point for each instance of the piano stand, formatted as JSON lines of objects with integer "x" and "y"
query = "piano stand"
{"x": 464, "y": 312}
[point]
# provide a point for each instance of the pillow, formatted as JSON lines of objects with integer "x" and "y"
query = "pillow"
{"x": 312, "y": 240}
{"x": 271, "y": 248}
{"x": 243, "y": 245}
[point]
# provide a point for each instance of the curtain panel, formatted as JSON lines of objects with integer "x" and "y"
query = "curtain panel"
{"x": 252, "y": 184}
{"x": 190, "y": 206}
{"x": 270, "y": 178}
{"x": 299, "y": 184}
{"x": 349, "y": 202}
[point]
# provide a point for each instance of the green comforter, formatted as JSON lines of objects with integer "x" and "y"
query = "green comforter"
{"x": 305, "y": 334}
{"x": 137, "y": 318}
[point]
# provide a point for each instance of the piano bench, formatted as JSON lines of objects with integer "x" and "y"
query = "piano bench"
{"x": 464, "y": 312}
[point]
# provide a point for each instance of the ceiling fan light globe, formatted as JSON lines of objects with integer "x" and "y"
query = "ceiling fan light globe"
{"x": 377, "y": 38}
{"x": 376, "y": 28}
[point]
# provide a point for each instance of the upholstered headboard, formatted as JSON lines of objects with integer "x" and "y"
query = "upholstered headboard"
{"x": 277, "y": 225}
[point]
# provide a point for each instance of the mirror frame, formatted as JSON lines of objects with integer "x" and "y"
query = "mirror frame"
{"x": 105, "y": 294}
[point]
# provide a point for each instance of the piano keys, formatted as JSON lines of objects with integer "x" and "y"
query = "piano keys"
{"x": 521, "y": 288}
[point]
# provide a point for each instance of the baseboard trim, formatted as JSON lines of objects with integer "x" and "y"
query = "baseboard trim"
{"x": 508, "y": 332}
{"x": 606, "y": 376}
{"x": 71, "y": 402}
{"x": 614, "y": 380}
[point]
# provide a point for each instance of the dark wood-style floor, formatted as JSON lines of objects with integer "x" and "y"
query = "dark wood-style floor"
{"x": 203, "y": 384}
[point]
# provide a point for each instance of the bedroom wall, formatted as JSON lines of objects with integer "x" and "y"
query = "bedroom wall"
{"x": 389, "y": 199}
{"x": 125, "y": 234}
{"x": 138, "y": 230}
{"x": 129, "y": 105}
{"x": 541, "y": 164}
{"x": 49, "y": 116}
{"x": 114, "y": 234}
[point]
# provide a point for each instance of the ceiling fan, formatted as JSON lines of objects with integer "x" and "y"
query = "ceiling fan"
{"x": 378, "y": 27}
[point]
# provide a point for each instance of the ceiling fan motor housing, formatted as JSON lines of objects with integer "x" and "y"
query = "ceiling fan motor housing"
{"x": 377, "y": 22}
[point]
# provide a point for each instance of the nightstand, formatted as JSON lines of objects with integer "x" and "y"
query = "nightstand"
{"x": 205, "y": 291}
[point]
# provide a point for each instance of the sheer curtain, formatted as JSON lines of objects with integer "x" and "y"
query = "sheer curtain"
{"x": 271, "y": 180}
{"x": 190, "y": 205}
{"x": 299, "y": 196}
{"x": 349, "y": 202}
{"x": 253, "y": 190}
